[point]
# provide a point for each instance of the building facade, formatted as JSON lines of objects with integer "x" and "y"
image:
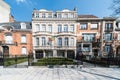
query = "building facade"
{"x": 88, "y": 35}
{"x": 54, "y": 33}
{"x": 15, "y": 38}
{"x": 4, "y": 12}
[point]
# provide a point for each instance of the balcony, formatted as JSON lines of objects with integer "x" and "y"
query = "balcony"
{"x": 42, "y": 33}
{"x": 44, "y": 47}
{"x": 8, "y": 43}
{"x": 55, "y": 47}
{"x": 117, "y": 29}
{"x": 66, "y": 33}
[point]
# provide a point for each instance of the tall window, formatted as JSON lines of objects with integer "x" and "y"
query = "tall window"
{"x": 72, "y": 28}
{"x": 37, "y": 41}
{"x": 24, "y": 51}
{"x": 66, "y": 42}
{"x": 88, "y": 37}
{"x": 43, "y": 15}
{"x": 71, "y": 15}
{"x": 59, "y": 15}
{"x": 59, "y": 41}
{"x": 43, "y": 28}
{"x": 119, "y": 36}
{"x": 86, "y": 47}
{"x": 108, "y": 26}
{"x": 37, "y": 15}
{"x": 23, "y": 39}
{"x": 65, "y": 28}
{"x": 107, "y": 48}
{"x": 49, "y": 15}
{"x": 8, "y": 38}
{"x": 37, "y": 27}
{"x": 59, "y": 28}
{"x": 66, "y": 16}
{"x": 49, "y": 28}
{"x": 108, "y": 36}
{"x": 43, "y": 41}
{"x": 72, "y": 42}
{"x": 94, "y": 26}
{"x": 83, "y": 26}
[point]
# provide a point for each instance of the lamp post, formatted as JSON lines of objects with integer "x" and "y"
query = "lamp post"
{"x": 95, "y": 54}
{"x": 30, "y": 58}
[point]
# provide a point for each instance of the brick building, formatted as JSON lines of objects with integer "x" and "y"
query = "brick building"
{"x": 15, "y": 38}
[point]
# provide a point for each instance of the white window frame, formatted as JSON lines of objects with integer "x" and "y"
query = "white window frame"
{"x": 23, "y": 26}
{"x": 8, "y": 38}
{"x": 119, "y": 36}
{"x": 23, "y": 39}
{"x": 72, "y": 28}
{"x": 94, "y": 26}
{"x": 37, "y": 27}
{"x": 49, "y": 28}
{"x": 24, "y": 51}
{"x": 83, "y": 26}
{"x": 37, "y": 41}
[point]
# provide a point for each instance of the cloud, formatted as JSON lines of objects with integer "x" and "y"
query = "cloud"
{"x": 27, "y": 3}
{"x": 20, "y": 1}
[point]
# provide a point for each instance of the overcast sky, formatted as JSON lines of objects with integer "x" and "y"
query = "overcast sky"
{"x": 22, "y": 9}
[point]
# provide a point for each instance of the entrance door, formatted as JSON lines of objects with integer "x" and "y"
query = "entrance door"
{"x": 5, "y": 50}
{"x": 39, "y": 54}
{"x": 70, "y": 54}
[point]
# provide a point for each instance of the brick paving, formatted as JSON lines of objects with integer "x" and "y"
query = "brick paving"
{"x": 36, "y": 73}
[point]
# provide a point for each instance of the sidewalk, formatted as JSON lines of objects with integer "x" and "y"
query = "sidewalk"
{"x": 33, "y": 73}
{"x": 20, "y": 65}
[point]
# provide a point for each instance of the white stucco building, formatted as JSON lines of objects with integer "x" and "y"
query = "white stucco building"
{"x": 4, "y": 12}
{"x": 54, "y": 33}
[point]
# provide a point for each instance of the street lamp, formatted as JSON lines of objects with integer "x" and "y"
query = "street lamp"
{"x": 95, "y": 54}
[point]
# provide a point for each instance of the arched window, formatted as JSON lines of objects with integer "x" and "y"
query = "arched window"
{"x": 66, "y": 41}
{"x": 23, "y": 39}
{"x": 59, "y": 28}
{"x": 24, "y": 51}
{"x": 8, "y": 38}
{"x": 59, "y": 41}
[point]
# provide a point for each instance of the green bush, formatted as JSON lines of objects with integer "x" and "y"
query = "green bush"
{"x": 53, "y": 61}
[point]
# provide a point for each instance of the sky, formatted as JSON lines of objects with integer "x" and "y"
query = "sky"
{"x": 22, "y": 9}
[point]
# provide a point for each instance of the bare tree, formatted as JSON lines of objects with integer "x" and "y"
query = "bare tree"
{"x": 116, "y": 7}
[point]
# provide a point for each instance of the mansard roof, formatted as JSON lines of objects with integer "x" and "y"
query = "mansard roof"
{"x": 17, "y": 25}
{"x": 87, "y": 16}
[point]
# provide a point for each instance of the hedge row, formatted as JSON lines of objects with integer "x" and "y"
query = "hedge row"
{"x": 53, "y": 61}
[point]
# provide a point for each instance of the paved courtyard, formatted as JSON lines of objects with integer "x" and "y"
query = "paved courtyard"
{"x": 59, "y": 74}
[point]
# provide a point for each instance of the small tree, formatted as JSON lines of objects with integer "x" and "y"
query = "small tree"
{"x": 116, "y": 7}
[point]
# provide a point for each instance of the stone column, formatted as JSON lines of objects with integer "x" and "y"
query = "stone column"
{"x": 75, "y": 54}
{"x": 54, "y": 53}
{"x": 66, "y": 54}
{"x": 34, "y": 56}
{"x": 44, "y": 53}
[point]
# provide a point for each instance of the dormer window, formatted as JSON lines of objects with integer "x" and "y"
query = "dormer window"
{"x": 23, "y": 26}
